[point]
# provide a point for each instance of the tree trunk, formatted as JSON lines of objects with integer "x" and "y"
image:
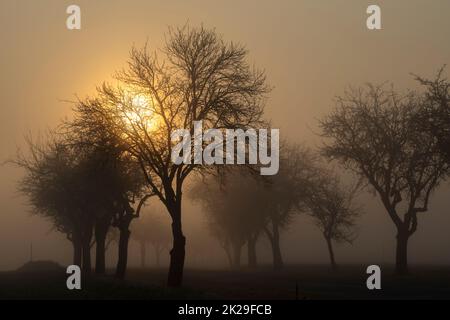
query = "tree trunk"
{"x": 177, "y": 254}
{"x": 101, "y": 230}
{"x": 143, "y": 253}
{"x": 276, "y": 250}
{"x": 401, "y": 258}
{"x": 236, "y": 256}
{"x": 100, "y": 265}
{"x": 331, "y": 253}
{"x": 86, "y": 243}
{"x": 123, "y": 249}
{"x": 226, "y": 248}
{"x": 251, "y": 247}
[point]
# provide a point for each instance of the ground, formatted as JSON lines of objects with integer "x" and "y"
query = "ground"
{"x": 295, "y": 282}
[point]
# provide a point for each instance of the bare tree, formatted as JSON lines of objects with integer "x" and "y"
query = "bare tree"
{"x": 81, "y": 189}
{"x": 372, "y": 132}
{"x": 200, "y": 77}
{"x": 241, "y": 205}
{"x": 235, "y": 205}
{"x": 114, "y": 183}
{"x": 285, "y": 194}
{"x": 151, "y": 230}
{"x": 435, "y": 117}
{"x": 49, "y": 167}
{"x": 54, "y": 182}
{"x": 332, "y": 208}
{"x": 117, "y": 186}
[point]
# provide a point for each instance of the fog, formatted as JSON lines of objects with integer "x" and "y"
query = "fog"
{"x": 311, "y": 51}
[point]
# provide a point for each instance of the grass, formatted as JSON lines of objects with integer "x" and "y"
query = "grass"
{"x": 44, "y": 284}
{"x": 295, "y": 282}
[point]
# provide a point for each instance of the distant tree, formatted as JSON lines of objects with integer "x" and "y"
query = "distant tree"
{"x": 54, "y": 183}
{"x": 233, "y": 203}
{"x": 247, "y": 194}
{"x": 372, "y": 132}
{"x": 199, "y": 246}
{"x": 112, "y": 237}
{"x": 285, "y": 193}
{"x": 81, "y": 189}
{"x": 151, "y": 230}
{"x": 119, "y": 183}
{"x": 201, "y": 77}
{"x": 332, "y": 208}
{"x": 112, "y": 182}
{"x": 241, "y": 205}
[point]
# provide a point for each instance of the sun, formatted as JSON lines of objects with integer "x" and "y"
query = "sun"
{"x": 140, "y": 113}
{"x": 140, "y": 101}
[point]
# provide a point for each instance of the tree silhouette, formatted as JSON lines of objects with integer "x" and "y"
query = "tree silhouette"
{"x": 332, "y": 208}
{"x": 241, "y": 205}
{"x": 285, "y": 194}
{"x": 123, "y": 187}
{"x": 113, "y": 183}
{"x": 200, "y": 77}
{"x": 435, "y": 117}
{"x": 151, "y": 230}
{"x": 372, "y": 132}
{"x": 235, "y": 206}
{"x": 81, "y": 188}
{"x": 54, "y": 181}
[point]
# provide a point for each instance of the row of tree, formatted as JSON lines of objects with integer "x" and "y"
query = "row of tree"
{"x": 151, "y": 231}
{"x": 396, "y": 146}
{"x": 83, "y": 190}
{"x": 242, "y": 206}
{"x": 200, "y": 78}
{"x": 98, "y": 170}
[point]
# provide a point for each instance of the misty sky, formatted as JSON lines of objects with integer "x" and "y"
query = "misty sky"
{"x": 310, "y": 49}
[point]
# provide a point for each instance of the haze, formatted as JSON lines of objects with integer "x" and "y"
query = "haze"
{"x": 311, "y": 51}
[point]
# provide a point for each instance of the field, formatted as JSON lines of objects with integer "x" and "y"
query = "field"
{"x": 295, "y": 282}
